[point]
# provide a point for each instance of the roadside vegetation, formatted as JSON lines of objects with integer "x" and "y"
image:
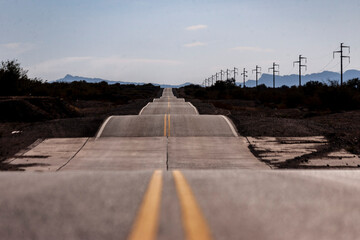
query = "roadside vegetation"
{"x": 33, "y": 109}
{"x": 15, "y": 82}
{"x": 315, "y": 109}
{"x": 313, "y": 95}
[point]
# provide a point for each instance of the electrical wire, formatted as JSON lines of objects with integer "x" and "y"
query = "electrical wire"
{"x": 326, "y": 65}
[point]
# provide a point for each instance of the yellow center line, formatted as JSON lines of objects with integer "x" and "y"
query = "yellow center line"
{"x": 194, "y": 222}
{"x": 165, "y": 125}
{"x": 147, "y": 220}
{"x": 169, "y": 125}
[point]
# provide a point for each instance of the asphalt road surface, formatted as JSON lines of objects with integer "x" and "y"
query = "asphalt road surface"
{"x": 170, "y": 173}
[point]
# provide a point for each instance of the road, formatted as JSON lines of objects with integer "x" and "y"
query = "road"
{"x": 170, "y": 173}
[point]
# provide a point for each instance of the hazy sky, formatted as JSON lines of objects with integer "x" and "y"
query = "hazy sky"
{"x": 166, "y": 41}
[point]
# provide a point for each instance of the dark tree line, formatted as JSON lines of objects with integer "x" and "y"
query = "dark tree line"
{"x": 15, "y": 82}
{"x": 313, "y": 95}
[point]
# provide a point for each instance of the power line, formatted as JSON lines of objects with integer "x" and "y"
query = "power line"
{"x": 342, "y": 46}
{"x": 326, "y": 65}
{"x": 291, "y": 70}
{"x": 300, "y": 66}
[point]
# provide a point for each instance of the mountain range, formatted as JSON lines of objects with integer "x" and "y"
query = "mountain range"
{"x": 69, "y": 78}
{"x": 291, "y": 80}
{"x": 267, "y": 79}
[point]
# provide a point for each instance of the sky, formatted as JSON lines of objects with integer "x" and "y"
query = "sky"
{"x": 173, "y": 42}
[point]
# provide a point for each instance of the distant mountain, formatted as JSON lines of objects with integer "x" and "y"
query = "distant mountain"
{"x": 291, "y": 80}
{"x": 69, "y": 78}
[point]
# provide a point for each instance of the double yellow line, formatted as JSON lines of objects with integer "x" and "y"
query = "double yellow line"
{"x": 146, "y": 224}
{"x": 167, "y": 125}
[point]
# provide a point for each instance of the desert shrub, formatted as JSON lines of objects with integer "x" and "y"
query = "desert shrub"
{"x": 313, "y": 95}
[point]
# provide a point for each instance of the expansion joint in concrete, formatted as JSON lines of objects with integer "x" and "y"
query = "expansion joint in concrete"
{"x": 167, "y": 153}
{"x": 73, "y": 155}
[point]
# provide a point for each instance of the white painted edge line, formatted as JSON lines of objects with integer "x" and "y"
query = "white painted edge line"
{"x": 102, "y": 127}
{"x": 230, "y": 125}
{"x": 27, "y": 149}
{"x": 143, "y": 108}
{"x": 193, "y": 107}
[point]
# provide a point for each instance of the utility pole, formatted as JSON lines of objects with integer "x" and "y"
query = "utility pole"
{"x": 273, "y": 68}
{"x": 342, "y": 46}
{"x": 300, "y": 66}
{"x": 216, "y": 77}
{"x": 257, "y": 72}
{"x": 212, "y": 80}
{"x": 235, "y": 72}
{"x": 221, "y": 74}
{"x": 244, "y": 76}
{"x": 227, "y": 74}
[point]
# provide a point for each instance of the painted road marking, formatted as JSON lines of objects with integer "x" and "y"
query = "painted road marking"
{"x": 143, "y": 108}
{"x": 194, "y": 223}
{"x": 230, "y": 125}
{"x": 169, "y": 125}
{"x": 147, "y": 220}
{"x": 165, "y": 125}
{"x": 102, "y": 127}
{"x": 193, "y": 107}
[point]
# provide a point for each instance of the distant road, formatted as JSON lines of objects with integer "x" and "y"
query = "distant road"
{"x": 170, "y": 173}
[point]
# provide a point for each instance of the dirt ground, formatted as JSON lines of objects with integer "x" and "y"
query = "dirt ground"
{"x": 342, "y": 130}
{"x": 15, "y": 136}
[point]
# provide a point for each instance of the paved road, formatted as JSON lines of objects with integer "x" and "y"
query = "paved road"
{"x": 236, "y": 204}
{"x": 170, "y": 173}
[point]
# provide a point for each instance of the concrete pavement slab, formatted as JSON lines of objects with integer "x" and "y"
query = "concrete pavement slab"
{"x": 167, "y": 108}
{"x": 167, "y": 99}
{"x": 279, "y": 204}
{"x": 49, "y": 155}
{"x": 134, "y": 126}
{"x": 201, "y": 125}
{"x": 81, "y": 205}
{"x": 121, "y": 154}
{"x": 211, "y": 153}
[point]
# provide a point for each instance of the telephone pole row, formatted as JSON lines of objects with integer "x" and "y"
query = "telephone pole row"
{"x": 219, "y": 77}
